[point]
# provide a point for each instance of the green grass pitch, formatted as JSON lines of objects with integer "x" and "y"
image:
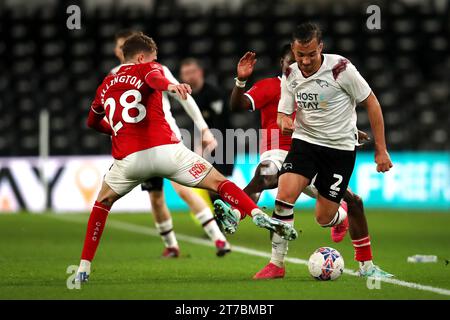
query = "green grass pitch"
{"x": 36, "y": 250}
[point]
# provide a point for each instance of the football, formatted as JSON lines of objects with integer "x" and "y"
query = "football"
{"x": 326, "y": 264}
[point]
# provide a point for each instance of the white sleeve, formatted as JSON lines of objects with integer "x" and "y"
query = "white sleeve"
{"x": 169, "y": 76}
{"x": 354, "y": 84}
{"x": 189, "y": 105}
{"x": 286, "y": 104}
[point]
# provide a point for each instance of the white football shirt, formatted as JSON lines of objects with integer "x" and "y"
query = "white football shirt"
{"x": 325, "y": 102}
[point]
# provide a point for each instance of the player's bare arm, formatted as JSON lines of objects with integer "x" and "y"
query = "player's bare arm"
{"x": 245, "y": 68}
{"x": 285, "y": 123}
{"x": 382, "y": 158}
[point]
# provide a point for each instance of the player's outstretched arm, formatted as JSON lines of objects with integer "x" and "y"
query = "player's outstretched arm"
{"x": 375, "y": 114}
{"x": 245, "y": 68}
{"x": 189, "y": 105}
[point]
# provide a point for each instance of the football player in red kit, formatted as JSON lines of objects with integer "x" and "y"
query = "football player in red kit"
{"x": 264, "y": 95}
{"x": 143, "y": 145}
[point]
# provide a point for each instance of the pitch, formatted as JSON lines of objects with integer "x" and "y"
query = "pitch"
{"x": 37, "y": 250}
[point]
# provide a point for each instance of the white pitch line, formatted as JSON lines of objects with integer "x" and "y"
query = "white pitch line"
{"x": 124, "y": 226}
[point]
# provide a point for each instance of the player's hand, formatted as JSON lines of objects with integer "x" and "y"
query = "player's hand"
{"x": 383, "y": 160}
{"x": 287, "y": 126}
{"x": 182, "y": 90}
{"x": 246, "y": 65}
{"x": 209, "y": 143}
{"x": 363, "y": 137}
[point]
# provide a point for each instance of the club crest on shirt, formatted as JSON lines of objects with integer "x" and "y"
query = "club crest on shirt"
{"x": 322, "y": 83}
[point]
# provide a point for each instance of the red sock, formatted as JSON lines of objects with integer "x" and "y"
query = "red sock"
{"x": 232, "y": 194}
{"x": 363, "y": 252}
{"x": 95, "y": 227}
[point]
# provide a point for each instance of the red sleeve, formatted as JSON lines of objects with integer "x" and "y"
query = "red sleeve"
{"x": 154, "y": 76}
{"x": 261, "y": 93}
{"x": 96, "y": 115}
{"x": 96, "y": 122}
{"x": 97, "y": 105}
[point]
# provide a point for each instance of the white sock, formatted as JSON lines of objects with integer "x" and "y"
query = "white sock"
{"x": 206, "y": 218}
{"x": 85, "y": 266}
{"x": 165, "y": 229}
{"x": 365, "y": 265}
{"x": 340, "y": 215}
{"x": 279, "y": 245}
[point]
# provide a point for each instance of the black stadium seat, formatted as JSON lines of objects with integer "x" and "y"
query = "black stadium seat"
{"x": 45, "y": 65}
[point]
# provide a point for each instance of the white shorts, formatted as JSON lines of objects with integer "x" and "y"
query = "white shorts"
{"x": 277, "y": 156}
{"x": 172, "y": 161}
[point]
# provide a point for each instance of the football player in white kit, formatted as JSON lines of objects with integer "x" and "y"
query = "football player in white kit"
{"x": 323, "y": 90}
{"x": 154, "y": 186}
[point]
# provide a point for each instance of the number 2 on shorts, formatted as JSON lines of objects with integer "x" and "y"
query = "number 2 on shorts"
{"x": 334, "y": 186}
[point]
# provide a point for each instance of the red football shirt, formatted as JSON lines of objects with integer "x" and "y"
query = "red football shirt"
{"x": 133, "y": 109}
{"x": 264, "y": 96}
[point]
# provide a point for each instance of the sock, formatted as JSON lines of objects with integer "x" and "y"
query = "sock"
{"x": 206, "y": 218}
{"x": 95, "y": 227}
{"x": 365, "y": 265}
{"x": 340, "y": 215}
{"x": 363, "y": 251}
{"x": 165, "y": 229}
{"x": 283, "y": 211}
{"x": 85, "y": 266}
{"x": 232, "y": 194}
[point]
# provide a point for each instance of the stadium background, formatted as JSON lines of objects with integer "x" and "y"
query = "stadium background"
{"x": 46, "y": 66}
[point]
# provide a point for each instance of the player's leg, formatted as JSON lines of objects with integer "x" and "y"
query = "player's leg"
{"x": 339, "y": 231}
{"x": 359, "y": 233}
{"x": 290, "y": 186}
{"x": 189, "y": 169}
{"x": 228, "y": 191}
{"x": 266, "y": 177}
{"x": 95, "y": 226}
{"x": 204, "y": 215}
{"x": 164, "y": 224}
{"x": 297, "y": 172}
{"x": 162, "y": 217}
{"x": 335, "y": 169}
{"x": 121, "y": 178}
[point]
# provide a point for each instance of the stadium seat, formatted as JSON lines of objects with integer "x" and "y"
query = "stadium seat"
{"x": 48, "y": 66}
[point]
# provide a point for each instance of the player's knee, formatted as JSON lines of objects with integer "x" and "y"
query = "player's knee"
{"x": 266, "y": 181}
{"x": 106, "y": 200}
{"x": 270, "y": 182}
